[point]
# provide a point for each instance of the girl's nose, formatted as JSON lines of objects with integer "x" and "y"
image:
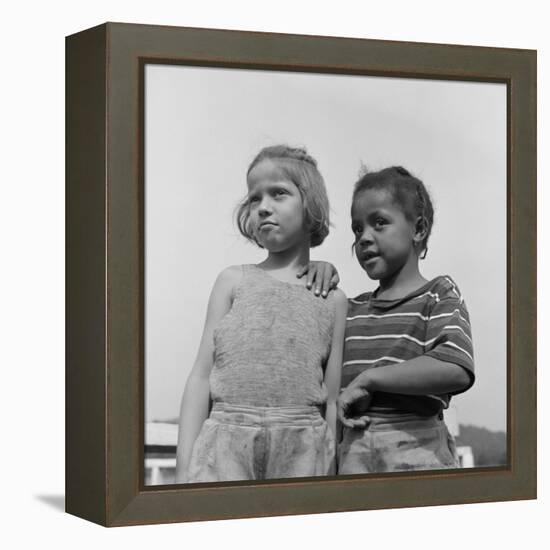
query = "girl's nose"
{"x": 365, "y": 238}
{"x": 265, "y": 207}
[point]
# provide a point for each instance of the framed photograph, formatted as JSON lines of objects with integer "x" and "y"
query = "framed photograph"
{"x": 164, "y": 128}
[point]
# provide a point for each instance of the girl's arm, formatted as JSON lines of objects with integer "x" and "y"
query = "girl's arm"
{"x": 196, "y": 396}
{"x": 422, "y": 375}
{"x": 334, "y": 364}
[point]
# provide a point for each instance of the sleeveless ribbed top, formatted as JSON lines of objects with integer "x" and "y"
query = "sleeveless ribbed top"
{"x": 271, "y": 347}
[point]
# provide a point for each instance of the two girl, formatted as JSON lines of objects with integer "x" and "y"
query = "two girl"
{"x": 271, "y": 353}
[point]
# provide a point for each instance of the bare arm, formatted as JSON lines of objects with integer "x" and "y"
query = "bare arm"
{"x": 195, "y": 400}
{"x": 334, "y": 364}
{"x": 422, "y": 375}
{"x": 419, "y": 376}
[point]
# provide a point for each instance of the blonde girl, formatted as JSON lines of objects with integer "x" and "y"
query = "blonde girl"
{"x": 260, "y": 401}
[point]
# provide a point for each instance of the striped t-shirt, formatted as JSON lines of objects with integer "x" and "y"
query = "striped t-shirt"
{"x": 431, "y": 321}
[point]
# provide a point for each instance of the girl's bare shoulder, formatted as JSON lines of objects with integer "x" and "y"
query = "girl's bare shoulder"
{"x": 232, "y": 273}
{"x": 340, "y": 300}
{"x": 229, "y": 278}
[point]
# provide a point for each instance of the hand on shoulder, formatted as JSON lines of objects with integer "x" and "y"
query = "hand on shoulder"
{"x": 322, "y": 277}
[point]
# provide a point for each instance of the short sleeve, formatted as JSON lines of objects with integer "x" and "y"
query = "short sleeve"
{"x": 449, "y": 335}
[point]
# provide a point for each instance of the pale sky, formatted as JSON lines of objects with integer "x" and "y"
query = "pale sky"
{"x": 204, "y": 126}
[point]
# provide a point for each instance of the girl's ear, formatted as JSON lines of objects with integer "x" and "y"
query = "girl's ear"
{"x": 420, "y": 229}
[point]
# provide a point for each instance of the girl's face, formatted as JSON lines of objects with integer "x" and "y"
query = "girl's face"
{"x": 383, "y": 235}
{"x": 276, "y": 208}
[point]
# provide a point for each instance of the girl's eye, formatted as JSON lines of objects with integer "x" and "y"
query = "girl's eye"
{"x": 252, "y": 200}
{"x": 356, "y": 229}
{"x": 279, "y": 192}
{"x": 379, "y": 222}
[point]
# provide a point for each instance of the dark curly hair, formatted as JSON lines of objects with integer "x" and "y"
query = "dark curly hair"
{"x": 407, "y": 191}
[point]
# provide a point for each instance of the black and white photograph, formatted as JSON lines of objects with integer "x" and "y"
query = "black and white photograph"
{"x": 325, "y": 274}
{"x": 169, "y": 169}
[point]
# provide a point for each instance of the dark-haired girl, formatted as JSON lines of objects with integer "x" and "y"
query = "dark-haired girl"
{"x": 408, "y": 345}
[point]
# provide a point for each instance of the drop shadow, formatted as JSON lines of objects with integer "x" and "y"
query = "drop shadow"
{"x": 54, "y": 501}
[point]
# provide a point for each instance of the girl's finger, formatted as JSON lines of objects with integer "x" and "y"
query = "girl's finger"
{"x": 302, "y": 271}
{"x": 312, "y": 278}
{"x": 326, "y": 281}
{"x": 341, "y": 412}
{"x": 318, "y": 278}
{"x": 343, "y": 400}
{"x": 311, "y": 275}
{"x": 335, "y": 279}
{"x": 348, "y": 422}
{"x": 362, "y": 421}
{"x": 345, "y": 421}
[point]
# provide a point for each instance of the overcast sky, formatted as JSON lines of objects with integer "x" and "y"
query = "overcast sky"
{"x": 204, "y": 126}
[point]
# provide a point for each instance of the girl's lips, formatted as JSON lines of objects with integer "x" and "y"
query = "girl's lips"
{"x": 369, "y": 256}
{"x": 267, "y": 225}
{"x": 368, "y": 261}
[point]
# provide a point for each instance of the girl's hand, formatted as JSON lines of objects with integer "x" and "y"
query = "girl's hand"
{"x": 322, "y": 275}
{"x": 348, "y": 397}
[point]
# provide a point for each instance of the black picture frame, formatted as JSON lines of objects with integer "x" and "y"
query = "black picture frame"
{"x": 104, "y": 273}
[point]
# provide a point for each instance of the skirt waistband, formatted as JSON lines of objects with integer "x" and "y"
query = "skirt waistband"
{"x": 266, "y": 416}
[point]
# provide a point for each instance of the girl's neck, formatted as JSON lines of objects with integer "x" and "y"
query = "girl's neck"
{"x": 403, "y": 282}
{"x": 288, "y": 261}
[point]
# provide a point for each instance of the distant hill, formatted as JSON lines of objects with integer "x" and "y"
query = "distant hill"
{"x": 489, "y": 447}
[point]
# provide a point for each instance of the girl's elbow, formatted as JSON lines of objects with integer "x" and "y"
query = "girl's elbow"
{"x": 461, "y": 379}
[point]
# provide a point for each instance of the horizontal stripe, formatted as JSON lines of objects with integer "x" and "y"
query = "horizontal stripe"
{"x": 428, "y": 293}
{"x": 434, "y": 295}
{"x": 403, "y": 352}
{"x": 358, "y": 301}
{"x": 371, "y": 361}
{"x": 359, "y": 354}
{"x": 392, "y": 337}
{"x": 386, "y": 315}
{"x": 438, "y": 316}
{"x": 454, "y": 289}
{"x": 414, "y": 332}
{"x": 407, "y": 314}
{"x": 452, "y": 344}
{"x": 456, "y": 327}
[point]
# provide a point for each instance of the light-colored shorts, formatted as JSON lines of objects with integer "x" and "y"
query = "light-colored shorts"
{"x": 243, "y": 443}
{"x": 397, "y": 445}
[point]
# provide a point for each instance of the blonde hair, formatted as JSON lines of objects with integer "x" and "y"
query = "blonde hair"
{"x": 301, "y": 169}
